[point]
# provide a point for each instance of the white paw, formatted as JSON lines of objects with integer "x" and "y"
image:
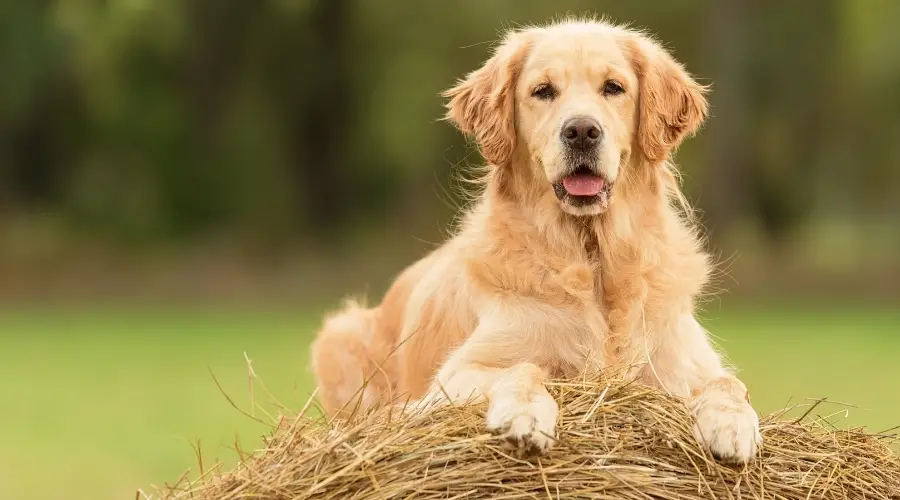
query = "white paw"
{"x": 727, "y": 426}
{"x": 529, "y": 428}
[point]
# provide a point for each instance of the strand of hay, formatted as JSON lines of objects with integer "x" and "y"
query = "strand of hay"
{"x": 616, "y": 440}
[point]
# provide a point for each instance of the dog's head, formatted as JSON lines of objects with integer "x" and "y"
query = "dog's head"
{"x": 579, "y": 102}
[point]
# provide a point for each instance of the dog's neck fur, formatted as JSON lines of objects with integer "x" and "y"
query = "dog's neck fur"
{"x": 612, "y": 244}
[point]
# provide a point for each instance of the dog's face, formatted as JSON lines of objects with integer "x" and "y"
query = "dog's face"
{"x": 582, "y": 102}
{"x": 576, "y": 98}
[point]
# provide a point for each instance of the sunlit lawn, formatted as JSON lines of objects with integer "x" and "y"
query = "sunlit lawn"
{"x": 98, "y": 402}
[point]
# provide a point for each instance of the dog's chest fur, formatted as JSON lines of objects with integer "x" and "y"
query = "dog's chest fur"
{"x": 562, "y": 286}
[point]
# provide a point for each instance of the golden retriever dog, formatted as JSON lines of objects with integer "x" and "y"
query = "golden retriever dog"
{"x": 578, "y": 254}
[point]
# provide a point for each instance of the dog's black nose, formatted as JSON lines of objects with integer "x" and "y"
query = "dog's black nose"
{"x": 581, "y": 133}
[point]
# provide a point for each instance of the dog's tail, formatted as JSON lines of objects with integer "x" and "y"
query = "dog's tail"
{"x": 346, "y": 361}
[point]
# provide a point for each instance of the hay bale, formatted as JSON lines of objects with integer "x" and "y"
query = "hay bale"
{"x": 616, "y": 440}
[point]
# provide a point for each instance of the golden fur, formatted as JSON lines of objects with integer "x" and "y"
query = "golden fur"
{"x": 532, "y": 287}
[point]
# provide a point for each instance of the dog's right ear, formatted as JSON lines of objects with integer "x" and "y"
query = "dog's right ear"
{"x": 482, "y": 105}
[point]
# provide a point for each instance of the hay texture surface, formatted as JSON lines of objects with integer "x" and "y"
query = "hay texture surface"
{"x": 615, "y": 441}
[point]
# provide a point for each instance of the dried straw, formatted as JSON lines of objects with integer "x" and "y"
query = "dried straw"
{"x": 616, "y": 440}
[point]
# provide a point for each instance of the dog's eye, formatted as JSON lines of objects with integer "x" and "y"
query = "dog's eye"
{"x": 544, "y": 91}
{"x": 612, "y": 87}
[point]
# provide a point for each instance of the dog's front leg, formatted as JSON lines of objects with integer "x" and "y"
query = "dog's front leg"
{"x": 493, "y": 364}
{"x": 686, "y": 364}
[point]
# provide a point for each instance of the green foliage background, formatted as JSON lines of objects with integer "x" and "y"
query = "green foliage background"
{"x": 143, "y": 121}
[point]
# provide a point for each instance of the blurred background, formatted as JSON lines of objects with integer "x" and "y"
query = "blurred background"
{"x": 186, "y": 185}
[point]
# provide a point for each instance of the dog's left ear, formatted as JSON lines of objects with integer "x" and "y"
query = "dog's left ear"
{"x": 672, "y": 105}
{"x": 482, "y": 105}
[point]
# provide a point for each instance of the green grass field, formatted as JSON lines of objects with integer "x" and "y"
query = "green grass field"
{"x": 97, "y": 403}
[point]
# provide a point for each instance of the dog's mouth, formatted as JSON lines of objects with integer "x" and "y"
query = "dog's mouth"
{"x": 583, "y": 186}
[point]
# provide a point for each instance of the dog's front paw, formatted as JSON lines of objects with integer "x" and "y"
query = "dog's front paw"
{"x": 727, "y": 426}
{"x": 529, "y": 427}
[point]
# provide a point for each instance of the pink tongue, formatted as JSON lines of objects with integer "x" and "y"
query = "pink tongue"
{"x": 583, "y": 185}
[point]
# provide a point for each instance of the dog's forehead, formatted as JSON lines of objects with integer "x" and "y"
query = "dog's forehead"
{"x": 569, "y": 48}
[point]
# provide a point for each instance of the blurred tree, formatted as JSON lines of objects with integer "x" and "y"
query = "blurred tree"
{"x": 39, "y": 108}
{"x": 210, "y": 68}
{"x": 312, "y": 69}
{"x": 791, "y": 85}
{"x": 728, "y": 37}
